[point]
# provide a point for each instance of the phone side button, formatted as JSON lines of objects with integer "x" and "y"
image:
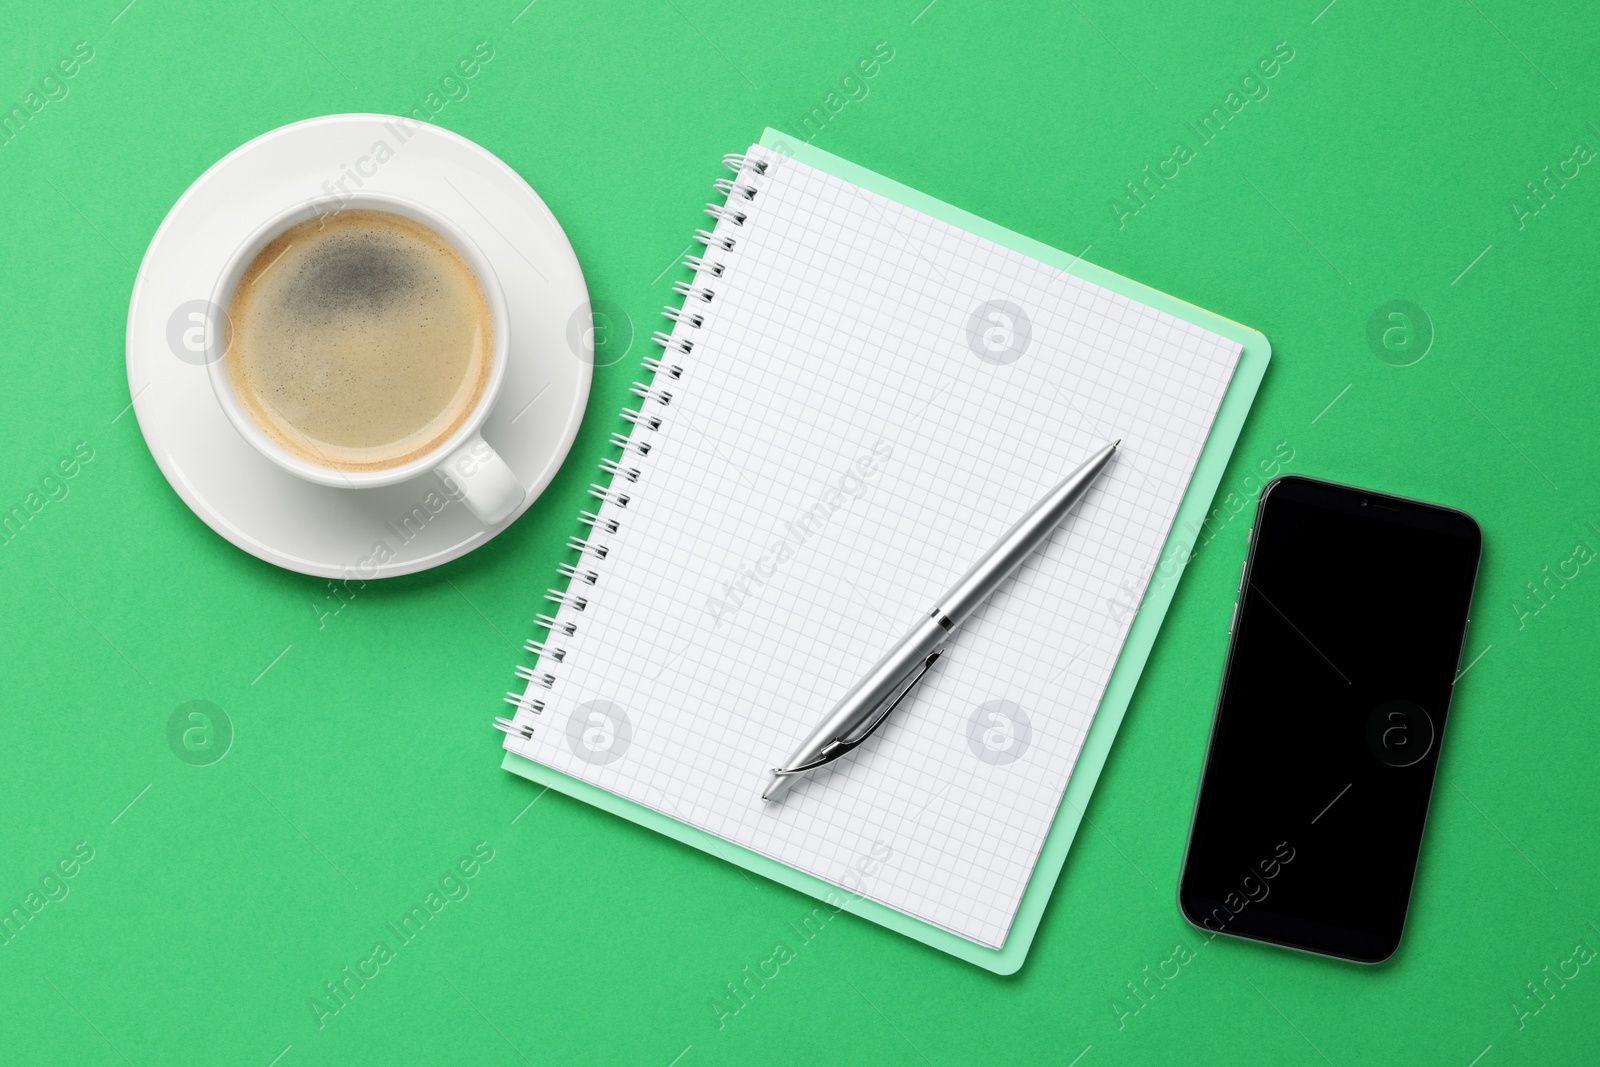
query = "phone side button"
{"x": 1242, "y": 564}
{"x": 1234, "y": 617}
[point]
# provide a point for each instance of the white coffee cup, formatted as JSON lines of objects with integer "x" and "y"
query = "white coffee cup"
{"x": 464, "y": 461}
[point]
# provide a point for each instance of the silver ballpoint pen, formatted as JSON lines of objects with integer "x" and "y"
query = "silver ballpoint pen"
{"x": 880, "y": 691}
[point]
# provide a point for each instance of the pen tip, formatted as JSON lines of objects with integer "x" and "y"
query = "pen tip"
{"x": 775, "y": 788}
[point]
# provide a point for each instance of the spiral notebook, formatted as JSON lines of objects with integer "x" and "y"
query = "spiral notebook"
{"x": 860, "y": 390}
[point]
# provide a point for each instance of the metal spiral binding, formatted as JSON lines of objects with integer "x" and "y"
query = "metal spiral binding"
{"x": 723, "y": 212}
{"x": 694, "y": 292}
{"x": 569, "y": 571}
{"x": 566, "y": 600}
{"x": 675, "y": 344}
{"x": 523, "y": 702}
{"x": 589, "y": 518}
{"x": 639, "y": 418}
{"x": 568, "y": 629}
{"x": 609, "y": 495}
{"x": 507, "y": 726}
{"x": 645, "y": 392}
{"x": 621, "y": 441}
{"x": 730, "y": 189}
{"x": 735, "y": 161}
{"x": 582, "y": 547}
{"x": 529, "y": 674}
{"x": 615, "y": 469}
{"x": 696, "y": 263}
{"x": 707, "y": 238}
{"x": 739, "y": 195}
{"x": 651, "y": 363}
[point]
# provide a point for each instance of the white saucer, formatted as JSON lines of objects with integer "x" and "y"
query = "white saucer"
{"x": 354, "y": 533}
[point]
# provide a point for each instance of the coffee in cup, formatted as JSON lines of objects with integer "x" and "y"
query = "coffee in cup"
{"x": 359, "y": 341}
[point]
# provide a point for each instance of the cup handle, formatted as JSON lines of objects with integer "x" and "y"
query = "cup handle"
{"x": 477, "y": 475}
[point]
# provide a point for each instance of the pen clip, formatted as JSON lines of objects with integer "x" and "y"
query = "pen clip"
{"x": 843, "y": 745}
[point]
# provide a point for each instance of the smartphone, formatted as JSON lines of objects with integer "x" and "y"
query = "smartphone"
{"x": 1346, "y": 639}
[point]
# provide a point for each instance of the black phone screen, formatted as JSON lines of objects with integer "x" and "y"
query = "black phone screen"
{"x": 1346, "y": 639}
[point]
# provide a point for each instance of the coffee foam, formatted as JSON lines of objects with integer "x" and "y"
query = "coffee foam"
{"x": 359, "y": 342}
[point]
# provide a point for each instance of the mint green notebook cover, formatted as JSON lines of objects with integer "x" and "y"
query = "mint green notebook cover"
{"x": 1141, "y": 636}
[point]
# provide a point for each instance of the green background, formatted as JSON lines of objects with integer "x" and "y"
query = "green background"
{"x": 1382, "y": 165}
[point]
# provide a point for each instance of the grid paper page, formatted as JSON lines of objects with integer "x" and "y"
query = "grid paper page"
{"x": 872, "y": 397}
